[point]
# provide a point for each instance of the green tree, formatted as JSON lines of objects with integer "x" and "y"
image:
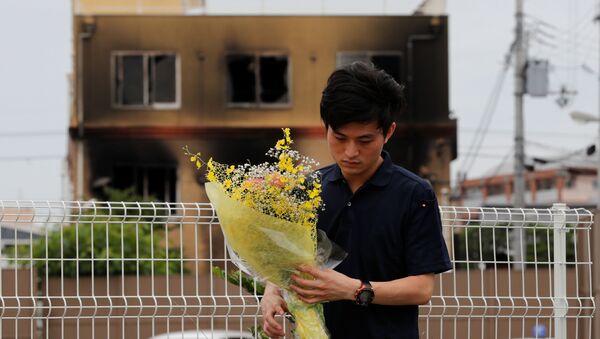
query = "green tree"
{"x": 489, "y": 244}
{"x": 116, "y": 239}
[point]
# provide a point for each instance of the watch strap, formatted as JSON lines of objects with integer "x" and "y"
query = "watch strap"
{"x": 365, "y": 287}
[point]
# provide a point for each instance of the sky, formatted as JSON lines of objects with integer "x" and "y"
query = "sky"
{"x": 35, "y": 36}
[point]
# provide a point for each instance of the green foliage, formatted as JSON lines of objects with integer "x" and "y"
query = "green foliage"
{"x": 248, "y": 283}
{"x": 490, "y": 244}
{"x": 257, "y": 332}
{"x": 100, "y": 242}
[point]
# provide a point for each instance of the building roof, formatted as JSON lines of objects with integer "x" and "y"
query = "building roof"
{"x": 7, "y": 233}
{"x": 557, "y": 161}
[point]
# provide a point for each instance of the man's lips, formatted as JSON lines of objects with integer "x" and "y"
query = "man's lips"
{"x": 350, "y": 163}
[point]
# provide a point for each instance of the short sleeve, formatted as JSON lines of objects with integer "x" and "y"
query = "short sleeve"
{"x": 424, "y": 245}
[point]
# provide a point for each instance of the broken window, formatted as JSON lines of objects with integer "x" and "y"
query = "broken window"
{"x": 258, "y": 79}
{"x": 148, "y": 79}
{"x": 389, "y": 61}
{"x": 156, "y": 182}
{"x": 242, "y": 78}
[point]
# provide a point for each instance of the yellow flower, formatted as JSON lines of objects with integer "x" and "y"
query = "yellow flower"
{"x": 230, "y": 169}
{"x": 211, "y": 176}
{"x": 227, "y": 183}
{"x": 236, "y": 195}
{"x": 280, "y": 145}
{"x": 286, "y": 133}
{"x": 306, "y": 205}
{"x": 286, "y": 164}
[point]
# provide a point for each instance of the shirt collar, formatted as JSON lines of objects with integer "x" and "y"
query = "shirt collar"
{"x": 381, "y": 177}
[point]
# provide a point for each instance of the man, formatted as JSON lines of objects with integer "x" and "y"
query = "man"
{"x": 384, "y": 216}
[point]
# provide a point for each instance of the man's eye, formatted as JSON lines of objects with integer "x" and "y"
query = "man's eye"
{"x": 365, "y": 141}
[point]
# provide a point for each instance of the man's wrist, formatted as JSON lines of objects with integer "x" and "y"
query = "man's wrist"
{"x": 271, "y": 288}
{"x": 354, "y": 285}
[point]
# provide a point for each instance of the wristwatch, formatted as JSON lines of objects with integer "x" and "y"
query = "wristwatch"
{"x": 364, "y": 295}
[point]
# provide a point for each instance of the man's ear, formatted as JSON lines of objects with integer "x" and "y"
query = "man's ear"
{"x": 390, "y": 132}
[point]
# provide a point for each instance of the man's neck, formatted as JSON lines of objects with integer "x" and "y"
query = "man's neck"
{"x": 355, "y": 182}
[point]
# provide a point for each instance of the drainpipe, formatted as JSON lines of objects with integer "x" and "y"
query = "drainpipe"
{"x": 434, "y": 26}
{"x": 412, "y": 39}
{"x": 86, "y": 32}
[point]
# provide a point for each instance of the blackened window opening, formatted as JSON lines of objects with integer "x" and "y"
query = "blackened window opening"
{"x": 255, "y": 79}
{"x": 390, "y": 62}
{"x": 151, "y": 182}
{"x": 274, "y": 79}
{"x": 242, "y": 78}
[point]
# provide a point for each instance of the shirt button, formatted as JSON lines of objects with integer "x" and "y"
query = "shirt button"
{"x": 349, "y": 204}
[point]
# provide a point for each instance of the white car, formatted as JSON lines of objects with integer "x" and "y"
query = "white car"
{"x": 208, "y": 334}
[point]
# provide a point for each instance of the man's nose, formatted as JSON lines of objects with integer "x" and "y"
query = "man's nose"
{"x": 351, "y": 150}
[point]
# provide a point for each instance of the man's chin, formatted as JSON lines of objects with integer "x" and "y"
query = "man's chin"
{"x": 350, "y": 170}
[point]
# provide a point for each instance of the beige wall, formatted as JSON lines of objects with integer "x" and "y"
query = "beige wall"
{"x": 17, "y": 287}
{"x": 462, "y": 315}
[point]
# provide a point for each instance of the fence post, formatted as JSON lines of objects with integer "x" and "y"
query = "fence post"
{"x": 560, "y": 270}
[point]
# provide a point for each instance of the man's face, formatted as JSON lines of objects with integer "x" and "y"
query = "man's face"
{"x": 356, "y": 147}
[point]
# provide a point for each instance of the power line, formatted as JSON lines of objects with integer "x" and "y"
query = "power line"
{"x": 538, "y": 133}
{"x": 574, "y": 29}
{"x": 31, "y": 158}
{"x": 501, "y": 165}
{"x": 482, "y": 155}
{"x": 32, "y": 134}
{"x": 488, "y": 114}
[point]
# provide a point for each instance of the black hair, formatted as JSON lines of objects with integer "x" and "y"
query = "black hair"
{"x": 360, "y": 92}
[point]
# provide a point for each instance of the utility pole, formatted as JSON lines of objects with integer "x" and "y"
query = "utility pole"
{"x": 519, "y": 163}
{"x": 596, "y": 230}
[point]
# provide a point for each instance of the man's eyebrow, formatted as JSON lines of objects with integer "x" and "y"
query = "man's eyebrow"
{"x": 364, "y": 136}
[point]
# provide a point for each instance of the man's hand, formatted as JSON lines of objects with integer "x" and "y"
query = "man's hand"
{"x": 272, "y": 303}
{"x": 325, "y": 285}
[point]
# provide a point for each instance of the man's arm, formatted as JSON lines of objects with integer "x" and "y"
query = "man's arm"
{"x": 412, "y": 290}
{"x": 329, "y": 285}
{"x": 272, "y": 303}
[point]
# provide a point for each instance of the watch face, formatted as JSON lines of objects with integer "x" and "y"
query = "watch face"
{"x": 365, "y": 297}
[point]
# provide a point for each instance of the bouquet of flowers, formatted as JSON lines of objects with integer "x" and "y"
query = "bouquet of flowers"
{"x": 268, "y": 214}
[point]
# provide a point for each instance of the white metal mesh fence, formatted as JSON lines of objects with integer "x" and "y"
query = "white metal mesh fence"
{"x": 138, "y": 270}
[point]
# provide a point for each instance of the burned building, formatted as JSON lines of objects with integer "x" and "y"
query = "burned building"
{"x": 144, "y": 86}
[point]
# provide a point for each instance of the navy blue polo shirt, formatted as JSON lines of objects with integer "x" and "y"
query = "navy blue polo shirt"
{"x": 391, "y": 229}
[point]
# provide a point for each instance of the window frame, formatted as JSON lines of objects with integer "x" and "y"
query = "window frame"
{"x": 370, "y": 53}
{"x": 257, "y": 87}
{"x": 146, "y": 55}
